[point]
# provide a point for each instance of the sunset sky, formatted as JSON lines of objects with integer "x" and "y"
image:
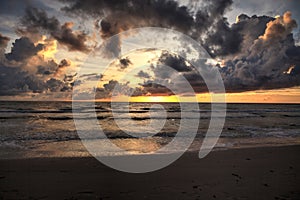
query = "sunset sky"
{"x": 48, "y": 46}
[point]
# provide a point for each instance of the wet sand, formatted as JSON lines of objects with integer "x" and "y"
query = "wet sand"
{"x": 253, "y": 173}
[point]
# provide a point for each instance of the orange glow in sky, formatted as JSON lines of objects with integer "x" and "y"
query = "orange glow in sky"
{"x": 290, "y": 95}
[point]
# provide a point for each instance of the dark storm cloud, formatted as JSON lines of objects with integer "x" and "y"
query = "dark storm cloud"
{"x": 258, "y": 52}
{"x": 64, "y": 85}
{"x": 74, "y": 41}
{"x": 115, "y": 88}
{"x": 143, "y": 74}
{"x": 153, "y": 88}
{"x": 225, "y": 40}
{"x": 170, "y": 76}
{"x": 250, "y": 28}
{"x": 117, "y": 16}
{"x": 31, "y": 73}
{"x": 36, "y": 21}
{"x": 23, "y": 49}
{"x": 295, "y": 70}
{"x": 92, "y": 77}
{"x": 47, "y": 68}
{"x": 15, "y": 81}
{"x": 24, "y": 70}
{"x": 293, "y": 53}
{"x": 64, "y": 63}
{"x": 122, "y": 15}
{"x": 17, "y": 7}
{"x": 176, "y": 62}
{"x": 195, "y": 80}
{"x": 111, "y": 85}
{"x": 269, "y": 58}
{"x": 267, "y": 62}
{"x": 213, "y": 31}
{"x": 124, "y": 62}
{"x": 55, "y": 85}
{"x": 69, "y": 78}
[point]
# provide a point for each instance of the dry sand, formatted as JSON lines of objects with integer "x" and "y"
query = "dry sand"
{"x": 254, "y": 173}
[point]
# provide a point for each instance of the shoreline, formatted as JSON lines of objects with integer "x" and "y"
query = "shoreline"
{"x": 75, "y": 148}
{"x": 248, "y": 173}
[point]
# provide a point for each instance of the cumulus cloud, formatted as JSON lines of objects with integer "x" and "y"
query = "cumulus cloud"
{"x": 14, "y": 81}
{"x": 115, "y": 88}
{"x": 267, "y": 58}
{"x": 279, "y": 28}
{"x": 172, "y": 71}
{"x": 250, "y": 28}
{"x": 174, "y": 61}
{"x": 36, "y": 20}
{"x": 122, "y": 15}
{"x": 45, "y": 68}
{"x": 257, "y": 52}
{"x": 23, "y": 49}
{"x": 64, "y": 63}
{"x": 152, "y": 88}
{"x": 55, "y": 85}
{"x": 143, "y": 74}
{"x": 124, "y": 62}
{"x": 205, "y": 23}
{"x": 24, "y": 70}
{"x": 91, "y": 77}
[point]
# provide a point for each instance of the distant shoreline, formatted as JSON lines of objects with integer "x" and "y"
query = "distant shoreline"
{"x": 70, "y": 101}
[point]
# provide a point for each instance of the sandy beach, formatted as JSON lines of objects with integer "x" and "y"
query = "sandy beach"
{"x": 253, "y": 173}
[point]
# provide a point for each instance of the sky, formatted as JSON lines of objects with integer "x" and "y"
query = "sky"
{"x": 47, "y": 48}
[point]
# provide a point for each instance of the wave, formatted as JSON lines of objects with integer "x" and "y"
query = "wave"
{"x": 136, "y": 118}
{"x": 291, "y": 116}
{"x": 60, "y": 118}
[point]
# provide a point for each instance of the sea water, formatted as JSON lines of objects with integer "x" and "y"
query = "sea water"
{"x": 47, "y": 129}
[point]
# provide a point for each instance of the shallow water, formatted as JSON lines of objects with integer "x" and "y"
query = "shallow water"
{"x": 32, "y": 129}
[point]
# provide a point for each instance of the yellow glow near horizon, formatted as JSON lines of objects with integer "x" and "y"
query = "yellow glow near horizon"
{"x": 289, "y": 95}
{"x": 172, "y": 98}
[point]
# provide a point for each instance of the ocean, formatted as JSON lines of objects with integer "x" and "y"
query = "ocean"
{"x": 47, "y": 129}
